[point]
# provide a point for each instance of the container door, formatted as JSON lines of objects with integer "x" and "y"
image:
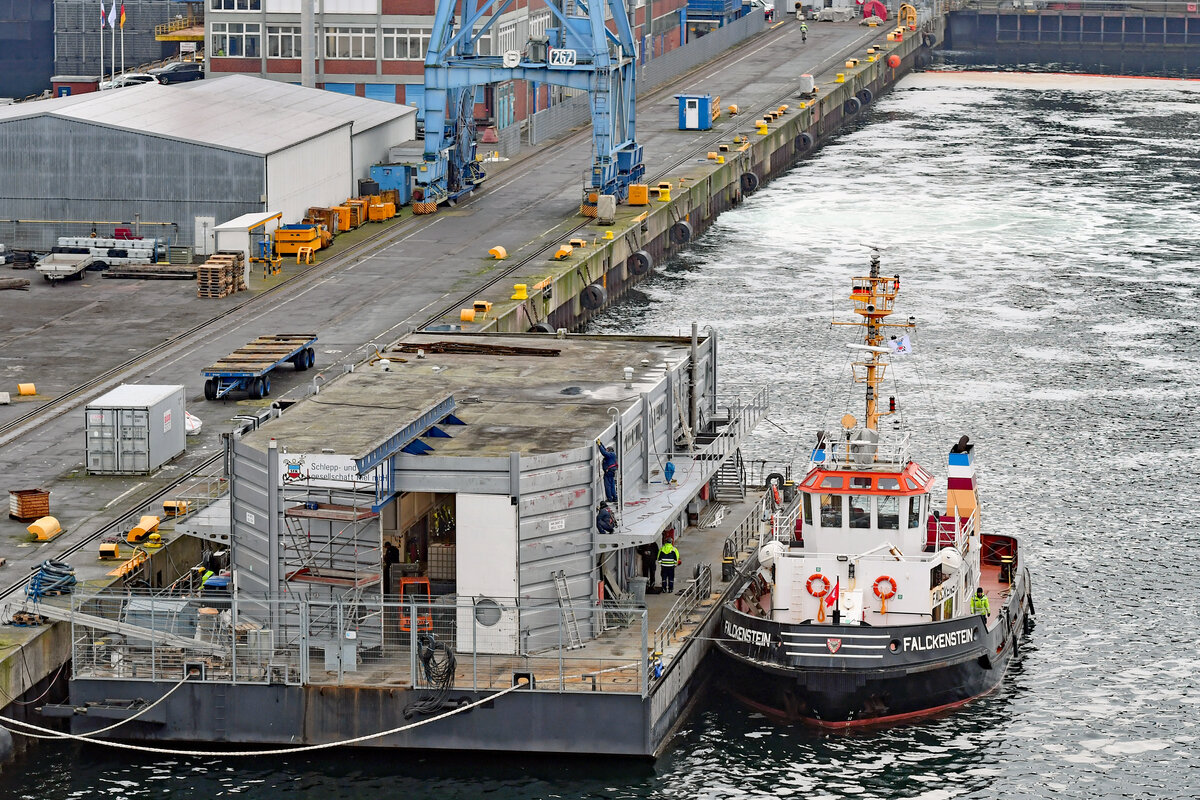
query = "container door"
{"x": 101, "y": 440}
{"x": 692, "y": 116}
{"x": 134, "y": 437}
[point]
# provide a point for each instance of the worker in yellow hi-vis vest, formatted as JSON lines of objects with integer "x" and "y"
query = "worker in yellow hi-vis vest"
{"x": 668, "y": 560}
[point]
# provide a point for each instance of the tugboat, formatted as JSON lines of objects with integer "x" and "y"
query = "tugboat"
{"x": 865, "y": 605}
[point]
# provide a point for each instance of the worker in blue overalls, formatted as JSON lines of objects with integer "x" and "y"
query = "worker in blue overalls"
{"x": 610, "y": 471}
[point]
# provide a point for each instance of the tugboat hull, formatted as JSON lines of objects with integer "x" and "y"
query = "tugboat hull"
{"x": 851, "y": 675}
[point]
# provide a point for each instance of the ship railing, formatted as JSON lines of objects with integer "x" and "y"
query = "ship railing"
{"x": 758, "y": 471}
{"x": 748, "y": 533}
{"x": 362, "y": 643}
{"x": 698, "y": 591}
{"x": 858, "y": 454}
{"x": 956, "y": 532}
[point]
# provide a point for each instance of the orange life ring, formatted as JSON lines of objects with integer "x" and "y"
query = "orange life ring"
{"x": 890, "y": 593}
{"x": 775, "y": 496}
{"x": 809, "y": 584}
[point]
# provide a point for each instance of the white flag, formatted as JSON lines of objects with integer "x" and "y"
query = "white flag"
{"x": 901, "y": 346}
{"x": 112, "y": 15}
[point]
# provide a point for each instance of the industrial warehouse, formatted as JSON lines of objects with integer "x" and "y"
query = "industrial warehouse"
{"x": 177, "y": 161}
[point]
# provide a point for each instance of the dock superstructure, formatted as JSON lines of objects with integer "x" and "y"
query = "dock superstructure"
{"x": 421, "y": 534}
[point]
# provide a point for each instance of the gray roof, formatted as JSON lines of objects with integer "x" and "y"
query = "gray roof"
{"x": 238, "y": 112}
{"x": 284, "y": 97}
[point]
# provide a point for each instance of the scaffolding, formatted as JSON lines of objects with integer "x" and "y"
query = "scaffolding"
{"x": 332, "y": 553}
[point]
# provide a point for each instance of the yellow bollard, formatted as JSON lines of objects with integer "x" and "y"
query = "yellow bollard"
{"x": 841, "y": 78}
{"x": 520, "y": 291}
{"x": 664, "y": 194}
{"x": 763, "y": 130}
{"x": 498, "y": 252}
{"x": 608, "y": 234}
{"x": 720, "y": 159}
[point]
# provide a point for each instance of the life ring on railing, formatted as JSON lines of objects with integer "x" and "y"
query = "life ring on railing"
{"x": 776, "y": 496}
{"x": 816, "y": 576}
{"x": 884, "y": 596}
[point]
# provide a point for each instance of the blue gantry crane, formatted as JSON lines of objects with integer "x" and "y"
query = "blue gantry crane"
{"x": 580, "y": 53}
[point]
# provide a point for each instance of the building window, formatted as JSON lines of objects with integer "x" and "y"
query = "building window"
{"x": 405, "y": 44}
{"x": 235, "y": 5}
{"x": 283, "y": 41}
{"x": 506, "y": 38}
{"x": 349, "y": 42}
{"x": 238, "y": 39}
{"x": 538, "y": 24}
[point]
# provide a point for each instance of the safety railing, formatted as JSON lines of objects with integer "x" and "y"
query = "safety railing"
{"x": 448, "y": 644}
{"x": 697, "y": 591}
{"x": 1179, "y": 7}
{"x": 861, "y": 454}
{"x": 178, "y": 24}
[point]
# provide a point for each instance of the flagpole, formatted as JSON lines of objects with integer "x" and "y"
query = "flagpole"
{"x": 101, "y": 43}
{"x": 122, "y": 45}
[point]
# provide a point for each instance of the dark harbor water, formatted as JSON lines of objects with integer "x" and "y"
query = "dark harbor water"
{"x": 1046, "y": 230}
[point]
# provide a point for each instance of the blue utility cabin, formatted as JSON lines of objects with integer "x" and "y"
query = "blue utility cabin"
{"x": 394, "y": 176}
{"x": 695, "y": 112}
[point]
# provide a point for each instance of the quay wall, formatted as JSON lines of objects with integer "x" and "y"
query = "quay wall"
{"x": 559, "y": 291}
{"x": 1065, "y": 32}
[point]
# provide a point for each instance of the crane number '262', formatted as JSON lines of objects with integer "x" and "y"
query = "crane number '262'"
{"x": 562, "y": 58}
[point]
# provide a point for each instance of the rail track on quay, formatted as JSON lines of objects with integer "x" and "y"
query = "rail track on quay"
{"x": 261, "y": 302}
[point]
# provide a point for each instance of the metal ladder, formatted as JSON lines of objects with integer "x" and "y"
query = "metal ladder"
{"x": 574, "y": 641}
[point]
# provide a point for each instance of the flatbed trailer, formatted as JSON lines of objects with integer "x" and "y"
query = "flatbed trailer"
{"x": 248, "y": 368}
{"x": 63, "y": 266}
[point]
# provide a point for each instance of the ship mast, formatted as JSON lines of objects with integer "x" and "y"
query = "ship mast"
{"x": 874, "y": 298}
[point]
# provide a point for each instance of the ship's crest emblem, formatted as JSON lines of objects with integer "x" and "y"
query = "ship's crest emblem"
{"x": 833, "y": 644}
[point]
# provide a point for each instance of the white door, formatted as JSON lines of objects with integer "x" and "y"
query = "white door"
{"x": 205, "y": 238}
{"x": 691, "y": 114}
{"x": 486, "y": 566}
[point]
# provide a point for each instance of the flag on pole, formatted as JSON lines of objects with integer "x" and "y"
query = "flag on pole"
{"x": 103, "y": 15}
{"x": 901, "y": 346}
{"x": 112, "y": 15}
{"x": 122, "y": 16}
{"x": 831, "y": 599}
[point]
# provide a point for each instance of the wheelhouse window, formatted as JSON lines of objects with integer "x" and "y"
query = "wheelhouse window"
{"x": 860, "y": 483}
{"x": 914, "y": 512}
{"x": 888, "y": 511}
{"x": 832, "y": 482}
{"x": 860, "y": 511}
{"x": 831, "y": 510}
{"x": 807, "y": 503}
{"x": 889, "y": 484}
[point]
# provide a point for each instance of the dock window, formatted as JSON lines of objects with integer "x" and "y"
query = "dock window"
{"x": 405, "y": 44}
{"x": 914, "y": 512}
{"x": 236, "y": 5}
{"x": 888, "y": 509}
{"x": 831, "y": 511}
{"x": 860, "y": 511}
{"x": 349, "y": 42}
{"x": 283, "y": 41}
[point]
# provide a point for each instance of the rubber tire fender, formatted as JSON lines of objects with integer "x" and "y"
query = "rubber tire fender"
{"x": 748, "y": 182}
{"x": 851, "y": 107}
{"x": 593, "y": 297}
{"x": 542, "y": 327}
{"x": 864, "y": 96}
{"x": 804, "y": 142}
{"x": 681, "y": 232}
{"x": 928, "y": 40}
{"x": 639, "y": 263}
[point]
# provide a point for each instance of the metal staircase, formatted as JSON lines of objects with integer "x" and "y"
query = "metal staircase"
{"x": 574, "y": 640}
{"x": 731, "y": 480}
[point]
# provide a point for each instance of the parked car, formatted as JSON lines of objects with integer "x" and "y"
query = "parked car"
{"x": 131, "y": 79}
{"x": 179, "y": 71}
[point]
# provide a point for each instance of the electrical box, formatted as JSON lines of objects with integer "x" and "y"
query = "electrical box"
{"x": 134, "y": 430}
{"x": 695, "y": 112}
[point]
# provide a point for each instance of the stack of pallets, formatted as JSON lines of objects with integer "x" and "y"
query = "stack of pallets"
{"x": 221, "y": 275}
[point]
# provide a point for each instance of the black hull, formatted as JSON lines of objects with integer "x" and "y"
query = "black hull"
{"x": 901, "y": 687}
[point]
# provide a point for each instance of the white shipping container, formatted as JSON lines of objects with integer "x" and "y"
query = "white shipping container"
{"x": 134, "y": 429}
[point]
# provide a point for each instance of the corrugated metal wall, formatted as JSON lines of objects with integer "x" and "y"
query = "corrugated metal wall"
{"x": 249, "y": 497}
{"x": 58, "y": 169}
{"x": 26, "y": 47}
{"x": 312, "y": 173}
{"x": 371, "y": 147}
{"x": 77, "y": 35}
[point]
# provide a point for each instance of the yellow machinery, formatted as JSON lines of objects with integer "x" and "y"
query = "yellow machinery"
{"x": 908, "y": 14}
{"x": 378, "y": 212}
{"x": 343, "y": 218}
{"x": 146, "y": 526}
{"x": 290, "y": 238}
{"x": 110, "y": 549}
{"x": 45, "y": 529}
{"x": 639, "y": 194}
{"x": 176, "y": 508}
{"x": 358, "y": 211}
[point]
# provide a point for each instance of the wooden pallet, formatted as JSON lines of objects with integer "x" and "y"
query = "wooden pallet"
{"x": 220, "y": 276}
